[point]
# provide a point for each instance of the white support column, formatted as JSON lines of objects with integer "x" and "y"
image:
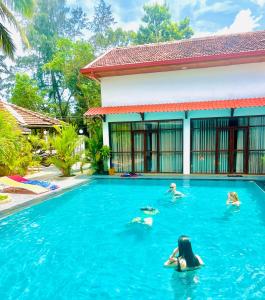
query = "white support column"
{"x": 105, "y": 133}
{"x": 105, "y": 128}
{"x": 186, "y": 146}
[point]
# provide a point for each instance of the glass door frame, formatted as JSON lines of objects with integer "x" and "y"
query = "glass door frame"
{"x": 145, "y": 150}
{"x": 231, "y": 149}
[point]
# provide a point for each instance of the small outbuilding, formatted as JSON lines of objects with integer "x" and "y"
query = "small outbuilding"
{"x": 28, "y": 120}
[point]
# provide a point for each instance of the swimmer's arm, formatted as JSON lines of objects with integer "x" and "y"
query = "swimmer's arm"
{"x": 200, "y": 260}
{"x": 174, "y": 253}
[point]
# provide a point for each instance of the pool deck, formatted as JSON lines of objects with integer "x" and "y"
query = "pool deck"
{"x": 21, "y": 201}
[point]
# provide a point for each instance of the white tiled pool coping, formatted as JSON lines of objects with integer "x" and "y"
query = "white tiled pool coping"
{"x": 20, "y": 201}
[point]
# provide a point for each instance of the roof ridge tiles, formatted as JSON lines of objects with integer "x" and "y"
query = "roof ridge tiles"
{"x": 185, "y": 40}
{"x": 34, "y": 113}
{"x": 198, "y": 49}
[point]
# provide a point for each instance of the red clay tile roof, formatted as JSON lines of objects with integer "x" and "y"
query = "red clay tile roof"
{"x": 28, "y": 118}
{"x": 169, "y": 107}
{"x": 182, "y": 51}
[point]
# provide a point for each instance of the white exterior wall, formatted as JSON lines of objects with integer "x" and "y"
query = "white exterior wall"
{"x": 217, "y": 83}
{"x": 227, "y": 82}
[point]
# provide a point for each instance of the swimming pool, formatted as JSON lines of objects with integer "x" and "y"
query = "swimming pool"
{"x": 79, "y": 245}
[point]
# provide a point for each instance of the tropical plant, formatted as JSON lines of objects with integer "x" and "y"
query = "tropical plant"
{"x": 26, "y": 8}
{"x": 64, "y": 142}
{"x": 105, "y": 154}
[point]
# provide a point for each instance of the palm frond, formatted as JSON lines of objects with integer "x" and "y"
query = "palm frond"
{"x": 7, "y": 15}
{"x": 25, "y": 7}
{"x": 6, "y": 42}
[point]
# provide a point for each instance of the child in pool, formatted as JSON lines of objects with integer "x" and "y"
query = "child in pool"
{"x": 232, "y": 199}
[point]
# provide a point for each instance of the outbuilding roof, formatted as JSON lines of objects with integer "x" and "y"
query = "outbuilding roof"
{"x": 172, "y": 107}
{"x": 28, "y": 118}
{"x": 180, "y": 52}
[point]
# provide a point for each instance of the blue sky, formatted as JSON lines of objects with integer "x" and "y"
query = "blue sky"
{"x": 207, "y": 16}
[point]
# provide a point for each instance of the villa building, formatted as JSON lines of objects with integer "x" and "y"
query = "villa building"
{"x": 192, "y": 106}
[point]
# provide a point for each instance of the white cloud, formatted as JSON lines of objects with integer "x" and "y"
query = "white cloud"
{"x": 133, "y": 25}
{"x": 225, "y": 6}
{"x": 260, "y": 3}
{"x": 243, "y": 22}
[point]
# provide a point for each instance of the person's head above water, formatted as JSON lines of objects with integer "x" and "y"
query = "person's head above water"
{"x": 173, "y": 185}
{"x": 233, "y": 196}
{"x": 185, "y": 251}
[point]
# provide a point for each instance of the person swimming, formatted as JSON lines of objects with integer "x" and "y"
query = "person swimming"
{"x": 183, "y": 258}
{"x": 149, "y": 210}
{"x": 232, "y": 198}
{"x": 145, "y": 221}
{"x": 173, "y": 191}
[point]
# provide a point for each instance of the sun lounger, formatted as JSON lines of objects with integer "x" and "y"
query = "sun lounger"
{"x": 13, "y": 186}
{"x": 44, "y": 184}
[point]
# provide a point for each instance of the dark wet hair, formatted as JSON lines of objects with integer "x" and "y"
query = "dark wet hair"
{"x": 185, "y": 251}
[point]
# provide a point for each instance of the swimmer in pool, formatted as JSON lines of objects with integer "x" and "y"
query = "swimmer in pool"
{"x": 173, "y": 191}
{"x": 183, "y": 258}
{"x": 149, "y": 210}
{"x": 232, "y": 199}
{"x": 145, "y": 221}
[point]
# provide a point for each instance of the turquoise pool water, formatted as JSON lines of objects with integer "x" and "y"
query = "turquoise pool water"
{"x": 79, "y": 245}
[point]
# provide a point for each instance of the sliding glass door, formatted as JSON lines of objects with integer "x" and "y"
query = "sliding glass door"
{"x": 231, "y": 151}
{"x": 228, "y": 145}
{"x": 151, "y": 146}
{"x": 145, "y": 151}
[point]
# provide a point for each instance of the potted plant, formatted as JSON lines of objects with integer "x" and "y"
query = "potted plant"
{"x": 111, "y": 170}
{"x": 105, "y": 154}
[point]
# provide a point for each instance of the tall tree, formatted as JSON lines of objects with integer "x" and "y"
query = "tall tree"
{"x": 159, "y": 27}
{"x": 53, "y": 19}
{"x": 25, "y": 8}
{"x": 26, "y": 94}
{"x": 78, "y": 92}
{"x": 104, "y": 35}
{"x": 103, "y": 18}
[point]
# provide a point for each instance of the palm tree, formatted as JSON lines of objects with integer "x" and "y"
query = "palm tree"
{"x": 25, "y": 8}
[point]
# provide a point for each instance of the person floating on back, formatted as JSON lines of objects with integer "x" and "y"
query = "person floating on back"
{"x": 173, "y": 191}
{"x": 145, "y": 221}
{"x": 183, "y": 258}
{"x": 232, "y": 199}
